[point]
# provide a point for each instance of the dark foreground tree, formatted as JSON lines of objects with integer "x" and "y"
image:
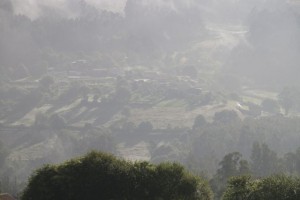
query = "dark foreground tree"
{"x": 277, "y": 187}
{"x": 103, "y": 176}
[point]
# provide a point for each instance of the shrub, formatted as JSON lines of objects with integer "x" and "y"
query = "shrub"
{"x": 277, "y": 187}
{"x": 103, "y": 176}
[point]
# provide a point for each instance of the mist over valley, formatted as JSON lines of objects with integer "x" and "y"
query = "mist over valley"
{"x": 211, "y": 85}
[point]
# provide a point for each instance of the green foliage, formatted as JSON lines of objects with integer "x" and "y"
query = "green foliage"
{"x": 231, "y": 165}
{"x": 238, "y": 188}
{"x": 168, "y": 181}
{"x": 103, "y": 176}
{"x": 278, "y": 187}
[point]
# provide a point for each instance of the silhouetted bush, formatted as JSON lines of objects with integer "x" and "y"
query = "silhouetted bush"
{"x": 103, "y": 176}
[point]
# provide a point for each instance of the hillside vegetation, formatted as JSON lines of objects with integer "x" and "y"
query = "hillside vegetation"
{"x": 211, "y": 85}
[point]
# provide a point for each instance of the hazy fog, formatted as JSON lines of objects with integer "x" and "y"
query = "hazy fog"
{"x": 155, "y": 80}
{"x": 153, "y": 30}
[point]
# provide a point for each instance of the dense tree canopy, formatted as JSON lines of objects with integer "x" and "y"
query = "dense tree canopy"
{"x": 277, "y": 187}
{"x": 103, "y": 176}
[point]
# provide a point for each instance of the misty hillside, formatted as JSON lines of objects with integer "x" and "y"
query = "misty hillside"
{"x": 155, "y": 34}
{"x": 210, "y": 84}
